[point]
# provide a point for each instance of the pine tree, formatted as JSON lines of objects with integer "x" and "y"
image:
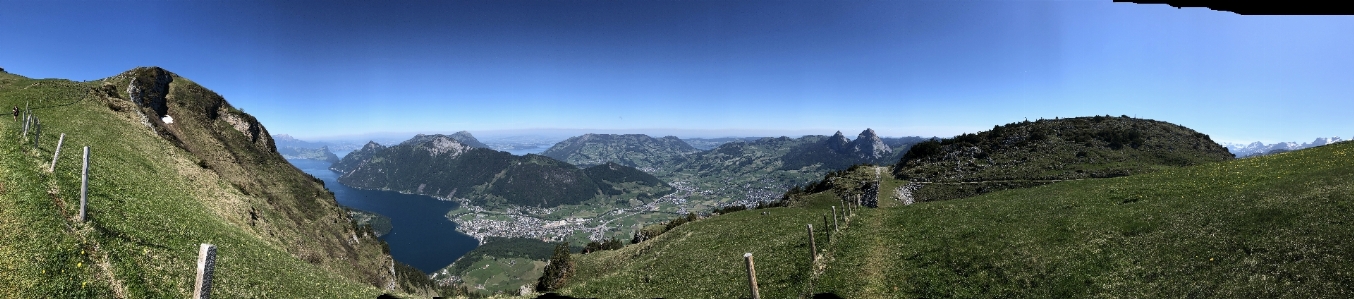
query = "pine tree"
{"x": 558, "y": 272}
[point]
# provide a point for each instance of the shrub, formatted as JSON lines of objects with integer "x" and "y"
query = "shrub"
{"x": 558, "y": 272}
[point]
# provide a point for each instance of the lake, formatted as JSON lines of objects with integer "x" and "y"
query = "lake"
{"x": 422, "y": 236}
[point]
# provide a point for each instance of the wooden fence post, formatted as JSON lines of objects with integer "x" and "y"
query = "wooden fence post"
{"x": 57, "y": 152}
{"x": 834, "y": 219}
{"x": 813, "y": 247}
{"x": 84, "y": 185}
{"x": 752, "y": 276}
{"x": 206, "y": 264}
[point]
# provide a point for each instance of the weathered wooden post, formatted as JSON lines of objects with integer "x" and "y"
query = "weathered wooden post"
{"x": 206, "y": 264}
{"x": 846, "y": 210}
{"x": 57, "y": 152}
{"x": 834, "y": 219}
{"x": 813, "y": 247}
{"x": 84, "y": 185}
{"x": 752, "y": 276}
{"x": 26, "y": 118}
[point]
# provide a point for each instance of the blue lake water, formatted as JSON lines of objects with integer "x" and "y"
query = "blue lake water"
{"x": 422, "y": 236}
{"x": 524, "y": 152}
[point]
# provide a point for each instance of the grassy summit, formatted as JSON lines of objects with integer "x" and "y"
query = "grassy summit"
{"x": 1028, "y": 154}
{"x": 172, "y": 166}
{"x": 1270, "y": 226}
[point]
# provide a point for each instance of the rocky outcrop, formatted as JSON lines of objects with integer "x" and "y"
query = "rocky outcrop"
{"x": 149, "y": 87}
{"x": 869, "y": 146}
{"x": 838, "y": 143}
{"x": 251, "y": 129}
{"x": 441, "y": 144}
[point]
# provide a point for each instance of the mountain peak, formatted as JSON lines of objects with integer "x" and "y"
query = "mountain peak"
{"x": 838, "y": 143}
{"x": 461, "y": 137}
{"x": 868, "y": 133}
{"x": 869, "y": 146}
{"x": 372, "y": 145}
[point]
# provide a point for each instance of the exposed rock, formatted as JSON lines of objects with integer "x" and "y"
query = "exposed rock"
{"x": 251, "y": 129}
{"x": 441, "y": 144}
{"x": 838, "y": 143}
{"x": 869, "y": 146}
{"x": 149, "y": 87}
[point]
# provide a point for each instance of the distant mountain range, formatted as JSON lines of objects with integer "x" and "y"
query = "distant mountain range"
{"x": 745, "y": 173}
{"x": 739, "y": 169}
{"x": 1242, "y": 150}
{"x": 292, "y": 148}
{"x": 446, "y": 167}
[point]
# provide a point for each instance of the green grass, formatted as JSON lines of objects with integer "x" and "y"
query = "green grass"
{"x": 502, "y": 274}
{"x": 151, "y": 204}
{"x": 704, "y": 259}
{"x": 1274, "y": 226}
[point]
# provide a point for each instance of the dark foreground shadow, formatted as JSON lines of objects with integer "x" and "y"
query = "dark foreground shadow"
{"x": 826, "y": 296}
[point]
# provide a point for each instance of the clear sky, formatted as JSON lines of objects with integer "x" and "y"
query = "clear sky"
{"x": 317, "y": 69}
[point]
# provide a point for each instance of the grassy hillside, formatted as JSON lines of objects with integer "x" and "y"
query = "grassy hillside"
{"x": 157, "y": 190}
{"x": 1026, "y": 154}
{"x": 1273, "y": 226}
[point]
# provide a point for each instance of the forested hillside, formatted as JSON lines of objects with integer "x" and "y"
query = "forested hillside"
{"x": 441, "y": 166}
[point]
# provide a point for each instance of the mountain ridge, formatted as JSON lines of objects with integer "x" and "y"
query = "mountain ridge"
{"x": 1243, "y": 150}
{"x": 172, "y": 165}
{"x": 634, "y": 150}
{"x": 440, "y": 166}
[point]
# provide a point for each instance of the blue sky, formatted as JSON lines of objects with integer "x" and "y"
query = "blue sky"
{"x": 316, "y": 69}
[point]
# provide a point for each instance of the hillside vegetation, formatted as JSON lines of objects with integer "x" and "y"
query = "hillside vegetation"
{"x": 634, "y": 150}
{"x": 159, "y": 187}
{"x": 1270, "y": 226}
{"x": 1029, "y": 154}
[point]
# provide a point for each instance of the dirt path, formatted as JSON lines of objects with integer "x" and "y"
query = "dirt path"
{"x": 877, "y": 254}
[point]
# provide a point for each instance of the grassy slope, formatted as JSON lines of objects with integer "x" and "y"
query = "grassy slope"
{"x": 1261, "y": 227}
{"x": 704, "y": 259}
{"x": 151, "y": 205}
{"x": 503, "y": 274}
{"x": 1027, "y": 154}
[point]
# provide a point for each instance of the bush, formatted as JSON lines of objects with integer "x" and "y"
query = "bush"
{"x": 608, "y": 244}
